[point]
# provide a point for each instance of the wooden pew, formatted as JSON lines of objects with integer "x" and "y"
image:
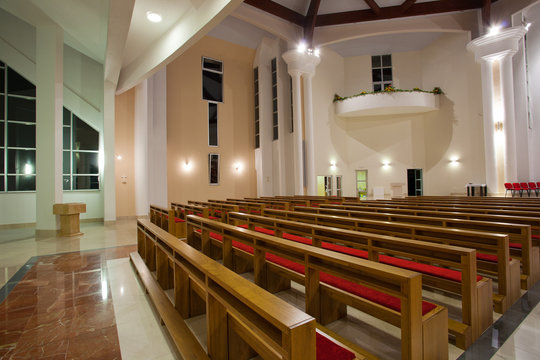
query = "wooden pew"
{"x": 273, "y": 204}
{"x": 494, "y": 246}
{"x": 519, "y": 201}
{"x": 275, "y": 261}
{"x": 177, "y": 217}
{"x": 159, "y": 216}
{"x": 519, "y": 235}
{"x": 476, "y": 294}
{"x": 488, "y": 208}
{"x": 243, "y": 206}
{"x": 219, "y": 210}
{"x": 242, "y": 319}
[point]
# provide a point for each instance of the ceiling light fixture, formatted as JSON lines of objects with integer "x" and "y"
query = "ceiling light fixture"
{"x": 494, "y": 30}
{"x": 153, "y": 16}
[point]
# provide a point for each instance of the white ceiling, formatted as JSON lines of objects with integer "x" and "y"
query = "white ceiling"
{"x": 239, "y": 32}
{"x": 385, "y": 44}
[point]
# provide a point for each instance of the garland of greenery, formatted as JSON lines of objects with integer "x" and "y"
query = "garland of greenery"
{"x": 389, "y": 89}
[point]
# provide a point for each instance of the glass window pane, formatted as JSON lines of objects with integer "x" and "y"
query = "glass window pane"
{"x": 17, "y": 85}
{"x": 2, "y": 107}
{"x": 376, "y": 61}
{"x": 376, "y": 75}
{"x": 387, "y": 60}
{"x": 2, "y": 161}
{"x": 66, "y": 183}
{"x": 387, "y": 74}
{"x": 21, "y": 135}
{"x": 1, "y": 135}
{"x": 257, "y": 142}
{"x": 84, "y": 136}
{"x": 256, "y": 100}
{"x": 276, "y": 136}
{"x": 2, "y": 77}
{"x": 85, "y": 182}
{"x": 67, "y": 117}
{"x": 360, "y": 176}
{"x": 212, "y": 64}
{"x": 212, "y": 125}
{"x": 274, "y": 92}
{"x": 21, "y": 161}
{"x": 21, "y": 109}
{"x": 2, "y": 183}
{"x": 213, "y": 168}
{"x": 22, "y": 183}
{"x": 274, "y": 78}
{"x": 66, "y": 137}
{"x": 212, "y": 86}
{"x": 385, "y": 85}
{"x": 377, "y": 87}
{"x": 275, "y": 119}
{"x": 274, "y": 105}
{"x": 256, "y": 127}
{"x": 273, "y": 64}
{"x": 66, "y": 166}
{"x": 85, "y": 163}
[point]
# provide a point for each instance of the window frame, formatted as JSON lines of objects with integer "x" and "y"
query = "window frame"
{"x": 275, "y": 114}
{"x": 217, "y": 123}
{"x": 203, "y": 69}
{"x": 382, "y": 83}
{"x": 256, "y": 88}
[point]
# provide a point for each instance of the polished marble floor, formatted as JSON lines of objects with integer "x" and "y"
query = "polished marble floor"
{"x": 79, "y": 298}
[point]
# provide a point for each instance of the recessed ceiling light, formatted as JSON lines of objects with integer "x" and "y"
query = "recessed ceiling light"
{"x": 153, "y": 16}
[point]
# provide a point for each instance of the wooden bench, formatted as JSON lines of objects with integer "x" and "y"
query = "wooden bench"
{"x": 273, "y": 204}
{"x": 242, "y": 319}
{"x": 177, "y": 217}
{"x": 520, "y": 236}
{"x": 159, "y": 216}
{"x": 243, "y": 206}
{"x": 492, "y": 249}
{"x": 493, "y": 209}
{"x": 326, "y": 274}
{"x": 426, "y": 258}
{"x": 218, "y": 210}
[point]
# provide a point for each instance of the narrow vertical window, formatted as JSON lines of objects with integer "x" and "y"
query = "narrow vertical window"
{"x": 381, "y": 71}
{"x": 212, "y": 82}
{"x": 212, "y": 124}
{"x": 292, "y": 108}
{"x": 213, "y": 169}
{"x": 256, "y": 89}
{"x": 275, "y": 132}
{"x": 338, "y": 185}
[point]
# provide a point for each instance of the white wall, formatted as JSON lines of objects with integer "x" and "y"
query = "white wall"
{"x": 426, "y": 141}
{"x": 92, "y": 199}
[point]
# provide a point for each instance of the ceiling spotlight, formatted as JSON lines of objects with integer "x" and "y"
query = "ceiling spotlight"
{"x": 153, "y": 16}
{"x": 302, "y": 47}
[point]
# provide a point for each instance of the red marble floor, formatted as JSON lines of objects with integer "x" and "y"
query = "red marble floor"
{"x": 62, "y": 309}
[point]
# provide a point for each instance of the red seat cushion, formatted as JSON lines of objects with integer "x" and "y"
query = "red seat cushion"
{"x": 255, "y": 212}
{"x": 213, "y": 218}
{"x": 516, "y": 245}
{"x": 176, "y": 220}
{"x": 217, "y": 211}
{"x": 486, "y": 257}
{"x": 329, "y": 350}
{"x": 535, "y": 236}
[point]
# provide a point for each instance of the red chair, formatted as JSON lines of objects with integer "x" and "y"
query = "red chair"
{"x": 516, "y": 187}
{"x": 532, "y": 186}
{"x": 508, "y": 188}
{"x": 525, "y": 187}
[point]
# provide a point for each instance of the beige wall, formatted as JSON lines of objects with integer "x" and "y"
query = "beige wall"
{"x": 187, "y": 124}
{"x": 124, "y": 146}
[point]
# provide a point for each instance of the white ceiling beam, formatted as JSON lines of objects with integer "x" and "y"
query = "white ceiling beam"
{"x": 191, "y": 27}
{"x": 120, "y": 12}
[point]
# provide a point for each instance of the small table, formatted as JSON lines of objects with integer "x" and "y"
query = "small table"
{"x": 69, "y": 217}
{"x": 476, "y": 189}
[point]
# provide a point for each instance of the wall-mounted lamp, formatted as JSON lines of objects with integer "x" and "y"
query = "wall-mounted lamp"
{"x": 118, "y": 157}
{"x": 494, "y": 30}
{"x": 386, "y": 163}
{"x": 454, "y": 161}
{"x": 333, "y": 165}
{"x": 187, "y": 165}
{"x": 238, "y": 166}
{"x": 499, "y": 126}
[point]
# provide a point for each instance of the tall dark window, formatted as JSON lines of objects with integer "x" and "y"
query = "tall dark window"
{"x": 17, "y": 131}
{"x": 213, "y": 169}
{"x": 256, "y": 87}
{"x": 212, "y": 124}
{"x": 80, "y": 154}
{"x": 381, "y": 71}
{"x": 212, "y": 79}
{"x": 275, "y": 132}
{"x": 292, "y": 108}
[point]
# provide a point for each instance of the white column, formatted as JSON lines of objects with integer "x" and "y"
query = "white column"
{"x": 49, "y": 102}
{"x": 509, "y": 128}
{"x": 141, "y": 149}
{"x": 298, "y": 149}
{"x": 310, "y": 141}
{"x": 489, "y": 126}
{"x": 109, "y": 184}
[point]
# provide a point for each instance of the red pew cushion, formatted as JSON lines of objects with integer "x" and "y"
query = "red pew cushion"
{"x": 329, "y": 350}
{"x": 178, "y": 220}
{"x": 516, "y": 245}
{"x": 213, "y": 218}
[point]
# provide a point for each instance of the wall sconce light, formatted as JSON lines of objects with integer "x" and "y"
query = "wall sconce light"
{"x": 494, "y": 30}
{"x": 187, "y": 165}
{"x": 454, "y": 161}
{"x": 302, "y": 47}
{"x": 333, "y": 165}
{"x": 386, "y": 163}
{"x": 498, "y": 126}
{"x": 238, "y": 166}
{"x": 118, "y": 157}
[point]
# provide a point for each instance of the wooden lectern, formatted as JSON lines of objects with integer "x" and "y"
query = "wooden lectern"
{"x": 69, "y": 217}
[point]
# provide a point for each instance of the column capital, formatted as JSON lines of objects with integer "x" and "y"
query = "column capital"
{"x": 492, "y": 47}
{"x": 301, "y": 62}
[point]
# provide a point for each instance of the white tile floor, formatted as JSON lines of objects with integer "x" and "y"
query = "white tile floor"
{"x": 139, "y": 330}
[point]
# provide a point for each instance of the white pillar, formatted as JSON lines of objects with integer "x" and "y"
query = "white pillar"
{"x": 298, "y": 148}
{"x": 49, "y": 102}
{"x": 141, "y": 149}
{"x": 310, "y": 141}
{"x": 509, "y": 128}
{"x": 489, "y": 126}
{"x": 109, "y": 183}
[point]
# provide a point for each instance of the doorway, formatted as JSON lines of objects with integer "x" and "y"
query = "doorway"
{"x": 415, "y": 184}
{"x": 324, "y": 185}
{"x": 361, "y": 184}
